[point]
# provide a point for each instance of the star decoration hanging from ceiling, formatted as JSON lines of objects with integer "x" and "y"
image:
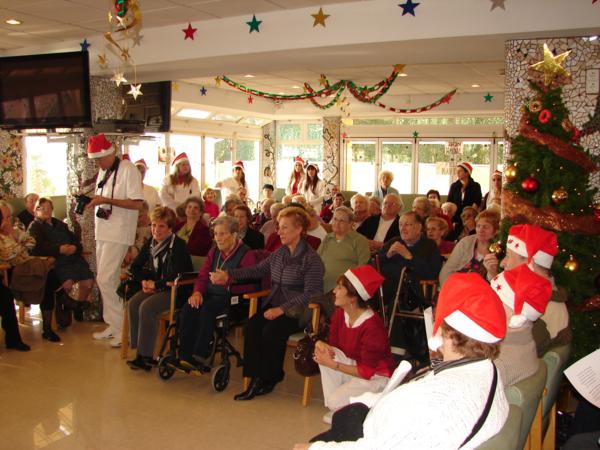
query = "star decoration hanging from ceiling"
{"x": 137, "y": 40}
{"x": 250, "y": 99}
{"x": 408, "y": 7}
{"x": 487, "y": 98}
{"x": 203, "y": 90}
{"x": 254, "y": 24}
{"x": 85, "y": 45}
{"x": 320, "y": 18}
{"x": 189, "y": 32}
{"x": 118, "y": 78}
{"x": 217, "y": 81}
{"x": 551, "y": 65}
{"x": 498, "y": 4}
{"x": 135, "y": 91}
{"x": 102, "y": 62}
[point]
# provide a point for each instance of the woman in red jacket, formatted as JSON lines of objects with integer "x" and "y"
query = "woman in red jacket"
{"x": 194, "y": 230}
{"x": 357, "y": 357}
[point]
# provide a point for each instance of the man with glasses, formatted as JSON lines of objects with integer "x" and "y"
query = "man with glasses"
{"x": 381, "y": 228}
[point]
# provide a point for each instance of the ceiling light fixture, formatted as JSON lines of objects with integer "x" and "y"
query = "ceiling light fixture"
{"x": 402, "y": 74}
{"x": 248, "y": 76}
{"x": 193, "y": 113}
{"x": 13, "y": 22}
{"x": 295, "y": 87}
{"x": 475, "y": 85}
{"x": 592, "y": 38}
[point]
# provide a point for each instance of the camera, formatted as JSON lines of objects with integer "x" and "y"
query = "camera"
{"x": 103, "y": 213}
{"x": 80, "y": 202}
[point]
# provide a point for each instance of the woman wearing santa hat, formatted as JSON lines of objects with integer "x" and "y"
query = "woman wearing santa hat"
{"x": 150, "y": 195}
{"x": 180, "y": 184}
{"x": 465, "y": 191}
{"x": 231, "y": 186}
{"x": 458, "y": 404}
{"x": 296, "y": 177}
{"x": 312, "y": 187}
{"x": 357, "y": 357}
{"x": 495, "y": 193}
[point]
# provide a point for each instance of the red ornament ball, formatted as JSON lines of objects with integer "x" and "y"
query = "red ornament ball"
{"x": 545, "y": 116}
{"x": 530, "y": 185}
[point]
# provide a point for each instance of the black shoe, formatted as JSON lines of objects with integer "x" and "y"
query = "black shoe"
{"x": 249, "y": 393}
{"x": 19, "y": 346}
{"x": 50, "y": 335}
{"x": 139, "y": 363}
{"x": 265, "y": 387}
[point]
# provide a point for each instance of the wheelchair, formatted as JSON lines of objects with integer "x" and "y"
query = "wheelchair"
{"x": 168, "y": 356}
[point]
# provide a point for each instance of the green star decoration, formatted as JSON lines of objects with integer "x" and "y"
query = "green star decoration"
{"x": 487, "y": 98}
{"x": 254, "y": 24}
{"x": 415, "y": 134}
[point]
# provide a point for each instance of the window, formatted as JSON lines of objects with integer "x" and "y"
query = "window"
{"x": 297, "y": 139}
{"x": 218, "y": 152}
{"x": 289, "y": 132}
{"x": 248, "y": 151}
{"x": 46, "y": 166}
{"x": 360, "y": 165}
{"x": 500, "y": 157}
{"x": 434, "y": 167}
{"x": 192, "y": 146}
{"x": 396, "y": 156}
{"x": 148, "y": 150}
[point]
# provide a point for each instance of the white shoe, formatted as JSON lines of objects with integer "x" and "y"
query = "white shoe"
{"x": 327, "y": 417}
{"x": 102, "y": 335}
{"x": 115, "y": 342}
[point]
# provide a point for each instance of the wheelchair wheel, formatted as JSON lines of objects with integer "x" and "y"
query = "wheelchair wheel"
{"x": 165, "y": 371}
{"x": 220, "y": 378}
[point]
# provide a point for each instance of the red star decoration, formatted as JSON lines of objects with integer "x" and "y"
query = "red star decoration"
{"x": 189, "y": 32}
{"x": 517, "y": 245}
{"x": 498, "y": 287}
{"x": 250, "y": 99}
{"x": 510, "y": 241}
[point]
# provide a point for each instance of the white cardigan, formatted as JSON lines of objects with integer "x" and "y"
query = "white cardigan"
{"x": 436, "y": 412}
{"x": 174, "y": 195}
{"x": 314, "y": 199}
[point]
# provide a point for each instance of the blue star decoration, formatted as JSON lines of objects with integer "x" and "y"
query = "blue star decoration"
{"x": 487, "y": 98}
{"x": 203, "y": 91}
{"x": 85, "y": 45}
{"x": 254, "y": 24}
{"x": 408, "y": 7}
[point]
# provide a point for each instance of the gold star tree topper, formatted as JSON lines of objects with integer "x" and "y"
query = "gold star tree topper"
{"x": 551, "y": 65}
{"x": 320, "y": 18}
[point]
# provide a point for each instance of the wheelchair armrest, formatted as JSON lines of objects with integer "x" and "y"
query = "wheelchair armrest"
{"x": 253, "y": 297}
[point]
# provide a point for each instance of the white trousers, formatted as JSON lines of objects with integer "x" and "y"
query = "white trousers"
{"x": 338, "y": 387}
{"x": 109, "y": 257}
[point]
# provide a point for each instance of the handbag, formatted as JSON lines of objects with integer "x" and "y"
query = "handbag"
{"x": 304, "y": 352}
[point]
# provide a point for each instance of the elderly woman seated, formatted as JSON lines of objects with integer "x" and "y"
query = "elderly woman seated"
{"x": 459, "y": 404}
{"x": 208, "y": 300}
{"x": 357, "y": 356}
{"x": 252, "y": 238}
{"x": 194, "y": 230}
{"x": 160, "y": 260}
{"x": 472, "y": 252}
{"x": 437, "y": 229}
{"x": 53, "y": 238}
{"x": 297, "y": 275}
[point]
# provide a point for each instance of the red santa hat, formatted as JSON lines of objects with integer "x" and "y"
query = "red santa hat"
{"x": 182, "y": 157}
{"x": 466, "y": 166}
{"x": 523, "y": 291}
{"x": 469, "y": 305}
{"x": 238, "y": 164}
{"x": 98, "y": 146}
{"x": 365, "y": 279}
{"x": 141, "y": 162}
{"x": 496, "y": 172}
{"x": 533, "y": 242}
{"x": 316, "y": 167}
{"x": 126, "y": 157}
{"x": 298, "y": 159}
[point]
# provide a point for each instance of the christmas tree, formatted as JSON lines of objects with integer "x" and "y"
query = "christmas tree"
{"x": 547, "y": 183}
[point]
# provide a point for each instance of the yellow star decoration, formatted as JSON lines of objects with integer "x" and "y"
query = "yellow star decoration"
{"x": 323, "y": 80}
{"x": 102, "y": 61}
{"x": 110, "y": 17}
{"x": 125, "y": 54}
{"x": 118, "y": 78}
{"x": 320, "y": 18}
{"x": 175, "y": 86}
{"x": 217, "y": 81}
{"x": 399, "y": 68}
{"x": 135, "y": 91}
{"x": 551, "y": 65}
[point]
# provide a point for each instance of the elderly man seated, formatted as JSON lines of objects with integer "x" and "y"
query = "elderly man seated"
{"x": 421, "y": 257}
{"x": 360, "y": 205}
{"x": 341, "y": 250}
{"x": 381, "y": 228}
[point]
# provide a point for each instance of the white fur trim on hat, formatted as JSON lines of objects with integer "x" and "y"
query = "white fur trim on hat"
{"x": 435, "y": 342}
{"x": 516, "y": 245}
{"x": 504, "y": 291}
{"x": 463, "y": 323}
{"x": 517, "y": 321}
{"x": 101, "y": 153}
{"x": 353, "y": 279}
{"x": 543, "y": 259}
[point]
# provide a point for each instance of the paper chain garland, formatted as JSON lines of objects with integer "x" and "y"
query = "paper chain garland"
{"x": 364, "y": 94}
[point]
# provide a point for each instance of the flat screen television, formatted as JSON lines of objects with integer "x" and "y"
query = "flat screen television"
{"x": 153, "y": 106}
{"x": 45, "y": 91}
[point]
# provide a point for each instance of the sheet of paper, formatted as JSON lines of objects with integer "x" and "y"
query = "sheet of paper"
{"x": 584, "y": 375}
{"x": 428, "y": 318}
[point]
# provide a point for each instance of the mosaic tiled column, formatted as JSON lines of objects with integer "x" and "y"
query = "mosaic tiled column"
{"x": 269, "y": 152}
{"x": 585, "y": 54}
{"x": 82, "y": 172}
{"x": 331, "y": 151}
{"x": 11, "y": 165}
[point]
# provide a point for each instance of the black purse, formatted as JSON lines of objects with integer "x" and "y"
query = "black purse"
{"x": 304, "y": 353}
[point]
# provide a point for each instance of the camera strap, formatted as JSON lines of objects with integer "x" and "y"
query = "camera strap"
{"x": 114, "y": 169}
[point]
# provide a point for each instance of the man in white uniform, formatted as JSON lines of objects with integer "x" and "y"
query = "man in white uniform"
{"x": 116, "y": 204}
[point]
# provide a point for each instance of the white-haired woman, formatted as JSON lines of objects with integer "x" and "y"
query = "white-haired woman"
{"x": 384, "y": 185}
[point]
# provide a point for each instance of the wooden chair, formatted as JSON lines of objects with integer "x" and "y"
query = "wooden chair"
{"x": 429, "y": 288}
{"x": 293, "y": 340}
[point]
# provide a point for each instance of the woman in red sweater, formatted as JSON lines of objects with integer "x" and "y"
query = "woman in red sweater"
{"x": 357, "y": 357}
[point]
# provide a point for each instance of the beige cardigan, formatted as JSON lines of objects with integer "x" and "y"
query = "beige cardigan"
{"x": 459, "y": 258}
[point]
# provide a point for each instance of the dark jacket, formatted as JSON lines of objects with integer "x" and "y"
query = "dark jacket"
{"x": 369, "y": 228}
{"x": 25, "y": 217}
{"x": 45, "y": 245}
{"x": 472, "y": 196}
{"x": 175, "y": 260}
{"x": 254, "y": 239}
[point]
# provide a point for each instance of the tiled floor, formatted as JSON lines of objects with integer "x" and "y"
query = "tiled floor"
{"x": 80, "y": 395}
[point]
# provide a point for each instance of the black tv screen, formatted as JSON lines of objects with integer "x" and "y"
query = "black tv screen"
{"x": 45, "y": 91}
{"x": 153, "y": 106}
